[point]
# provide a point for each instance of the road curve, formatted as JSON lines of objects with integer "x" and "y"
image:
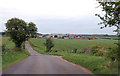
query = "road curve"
{"x": 43, "y": 64}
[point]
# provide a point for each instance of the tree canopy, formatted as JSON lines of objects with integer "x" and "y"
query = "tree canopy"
{"x": 111, "y": 16}
{"x": 18, "y": 30}
{"x": 32, "y": 29}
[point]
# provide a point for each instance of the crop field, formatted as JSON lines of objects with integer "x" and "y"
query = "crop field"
{"x": 70, "y": 44}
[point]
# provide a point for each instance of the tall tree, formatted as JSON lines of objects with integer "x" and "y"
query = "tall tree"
{"x": 111, "y": 18}
{"x": 16, "y": 28}
{"x": 32, "y": 29}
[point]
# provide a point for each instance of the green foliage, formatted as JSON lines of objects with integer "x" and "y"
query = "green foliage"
{"x": 112, "y": 14}
{"x": 108, "y": 52}
{"x": 16, "y": 28}
{"x": 70, "y": 44}
{"x": 3, "y": 47}
{"x": 10, "y": 55}
{"x": 99, "y": 53}
{"x": 32, "y": 29}
{"x": 23, "y": 45}
{"x": 97, "y": 64}
{"x": 49, "y": 44}
{"x": 111, "y": 18}
{"x": 94, "y": 49}
{"x": 32, "y": 43}
{"x": 97, "y": 50}
{"x": 112, "y": 54}
{"x": 74, "y": 51}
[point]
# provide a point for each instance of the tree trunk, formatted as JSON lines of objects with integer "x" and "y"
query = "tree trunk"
{"x": 18, "y": 45}
{"x": 119, "y": 41}
{"x": 47, "y": 50}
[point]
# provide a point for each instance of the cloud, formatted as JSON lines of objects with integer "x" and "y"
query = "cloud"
{"x": 54, "y": 16}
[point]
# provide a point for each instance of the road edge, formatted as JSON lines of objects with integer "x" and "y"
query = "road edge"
{"x": 83, "y": 68}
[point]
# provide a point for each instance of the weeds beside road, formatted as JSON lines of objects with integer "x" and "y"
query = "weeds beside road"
{"x": 10, "y": 55}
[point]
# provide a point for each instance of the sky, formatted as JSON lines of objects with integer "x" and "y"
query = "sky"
{"x": 55, "y": 16}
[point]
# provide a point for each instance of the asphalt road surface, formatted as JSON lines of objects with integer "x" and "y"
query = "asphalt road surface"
{"x": 44, "y": 64}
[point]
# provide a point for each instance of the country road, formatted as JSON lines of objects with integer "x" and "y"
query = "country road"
{"x": 43, "y": 64}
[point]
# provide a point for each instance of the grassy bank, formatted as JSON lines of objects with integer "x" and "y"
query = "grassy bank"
{"x": 96, "y": 64}
{"x": 10, "y": 56}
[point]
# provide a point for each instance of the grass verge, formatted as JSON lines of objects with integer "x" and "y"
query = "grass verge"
{"x": 96, "y": 64}
{"x": 10, "y": 55}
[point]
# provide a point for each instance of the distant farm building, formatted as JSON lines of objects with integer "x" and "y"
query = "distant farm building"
{"x": 63, "y": 36}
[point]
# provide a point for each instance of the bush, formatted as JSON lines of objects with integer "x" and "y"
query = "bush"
{"x": 98, "y": 50}
{"x": 112, "y": 54}
{"x": 23, "y": 45}
{"x": 3, "y": 47}
{"x": 49, "y": 44}
{"x": 109, "y": 52}
{"x": 74, "y": 51}
{"x": 86, "y": 50}
{"x": 99, "y": 53}
{"x": 94, "y": 49}
{"x": 17, "y": 49}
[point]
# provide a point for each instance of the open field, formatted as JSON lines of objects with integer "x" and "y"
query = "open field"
{"x": 103, "y": 37}
{"x": 10, "y": 55}
{"x": 70, "y": 44}
{"x": 97, "y": 64}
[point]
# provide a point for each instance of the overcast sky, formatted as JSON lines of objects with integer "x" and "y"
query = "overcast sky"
{"x": 55, "y": 16}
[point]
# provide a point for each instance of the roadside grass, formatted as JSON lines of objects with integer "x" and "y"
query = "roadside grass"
{"x": 0, "y": 63}
{"x": 96, "y": 64}
{"x": 10, "y": 56}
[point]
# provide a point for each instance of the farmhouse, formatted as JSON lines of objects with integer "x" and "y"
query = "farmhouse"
{"x": 56, "y": 36}
{"x": 63, "y": 36}
{"x": 66, "y": 36}
{"x": 39, "y": 36}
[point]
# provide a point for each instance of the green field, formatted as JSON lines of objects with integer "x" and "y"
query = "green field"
{"x": 96, "y": 64}
{"x": 10, "y": 55}
{"x": 70, "y": 44}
